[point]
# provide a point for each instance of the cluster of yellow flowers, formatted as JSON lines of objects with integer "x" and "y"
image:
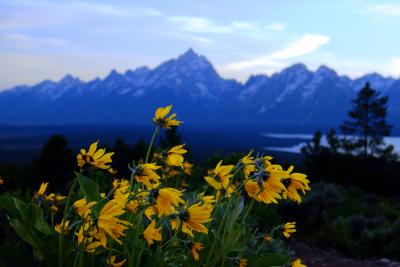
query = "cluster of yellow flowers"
{"x": 171, "y": 216}
{"x": 263, "y": 181}
{"x": 54, "y": 200}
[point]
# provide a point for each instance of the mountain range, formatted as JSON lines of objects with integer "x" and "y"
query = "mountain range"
{"x": 294, "y": 97}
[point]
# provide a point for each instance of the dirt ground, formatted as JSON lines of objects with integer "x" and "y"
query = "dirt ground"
{"x": 317, "y": 257}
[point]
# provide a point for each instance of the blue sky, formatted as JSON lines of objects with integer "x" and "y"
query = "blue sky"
{"x": 46, "y": 39}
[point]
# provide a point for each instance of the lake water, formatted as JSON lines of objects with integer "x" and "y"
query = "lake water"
{"x": 303, "y": 138}
{"x": 22, "y": 143}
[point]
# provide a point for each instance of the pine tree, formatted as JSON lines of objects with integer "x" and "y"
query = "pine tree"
{"x": 55, "y": 163}
{"x": 333, "y": 141}
{"x": 171, "y": 138}
{"x": 313, "y": 147}
{"x": 366, "y": 127}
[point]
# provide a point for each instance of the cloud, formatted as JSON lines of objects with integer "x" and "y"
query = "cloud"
{"x": 263, "y": 61}
{"x": 276, "y": 26}
{"x": 243, "y": 25}
{"x": 113, "y": 10}
{"x": 24, "y": 14}
{"x": 199, "y": 25}
{"x": 395, "y": 67}
{"x": 308, "y": 43}
{"x": 206, "y": 25}
{"x": 386, "y": 9}
{"x": 32, "y": 41}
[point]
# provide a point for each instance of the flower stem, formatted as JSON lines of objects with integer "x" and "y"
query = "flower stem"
{"x": 151, "y": 143}
{"x": 61, "y": 239}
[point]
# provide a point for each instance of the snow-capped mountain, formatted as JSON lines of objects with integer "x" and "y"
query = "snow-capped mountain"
{"x": 295, "y": 96}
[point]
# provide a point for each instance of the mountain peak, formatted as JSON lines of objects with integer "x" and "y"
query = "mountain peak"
{"x": 69, "y": 80}
{"x": 373, "y": 76}
{"x": 325, "y": 71}
{"x": 114, "y": 74}
{"x": 189, "y": 63}
{"x": 138, "y": 71}
{"x": 298, "y": 67}
{"x": 190, "y": 52}
{"x": 191, "y": 56}
{"x": 296, "y": 71}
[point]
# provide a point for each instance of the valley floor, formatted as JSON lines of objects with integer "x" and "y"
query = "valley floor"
{"x": 318, "y": 257}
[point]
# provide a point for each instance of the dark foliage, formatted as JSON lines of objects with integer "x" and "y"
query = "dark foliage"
{"x": 377, "y": 175}
{"x": 348, "y": 219}
{"x": 55, "y": 163}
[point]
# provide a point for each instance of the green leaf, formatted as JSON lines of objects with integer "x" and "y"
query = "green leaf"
{"x": 28, "y": 222}
{"x": 89, "y": 188}
{"x": 23, "y": 232}
{"x": 13, "y": 206}
{"x": 28, "y": 214}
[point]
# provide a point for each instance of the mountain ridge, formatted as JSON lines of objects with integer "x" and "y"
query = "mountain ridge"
{"x": 293, "y": 96}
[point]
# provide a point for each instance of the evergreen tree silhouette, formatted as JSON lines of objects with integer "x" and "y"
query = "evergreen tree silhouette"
{"x": 313, "y": 147}
{"x": 333, "y": 141}
{"x": 139, "y": 150}
{"x": 55, "y": 163}
{"x": 123, "y": 154}
{"x": 171, "y": 138}
{"x": 367, "y": 124}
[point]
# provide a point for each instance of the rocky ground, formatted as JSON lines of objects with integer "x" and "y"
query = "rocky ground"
{"x": 318, "y": 257}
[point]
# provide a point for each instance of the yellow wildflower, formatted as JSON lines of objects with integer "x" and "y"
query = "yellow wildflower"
{"x": 161, "y": 119}
{"x": 288, "y": 229}
{"x": 297, "y": 263}
{"x": 42, "y": 189}
{"x": 248, "y": 164}
{"x": 267, "y": 186}
{"x": 145, "y": 173}
{"x": 40, "y": 194}
{"x": 95, "y": 157}
{"x": 267, "y": 238}
{"x": 267, "y": 160}
{"x": 108, "y": 222}
{"x": 57, "y": 228}
{"x": 54, "y": 208}
{"x": 174, "y": 156}
{"x": 225, "y": 192}
{"x": 195, "y": 250}
{"x": 1, "y": 180}
{"x": 149, "y": 212}
{"x": 133, "y": 205}
{"x": 170, "y": 171}
{"x": 151, "y": 233}
{"x": 243, "y": 262}
{"x": 113, "y": 262}
{"x": 220, "y": 176}
{"x": 121, "y": 189}
{"x": 167, "y": 200}
{"x": 187, "y": 168}
{"x": 54, "y": 197}
{"x": 295, "y": 182}
{"x": 194, "y": 218}
{"x": 82, "y": 207}
{"x": 85, "y": 237}
{"x": 206, "y": 199}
